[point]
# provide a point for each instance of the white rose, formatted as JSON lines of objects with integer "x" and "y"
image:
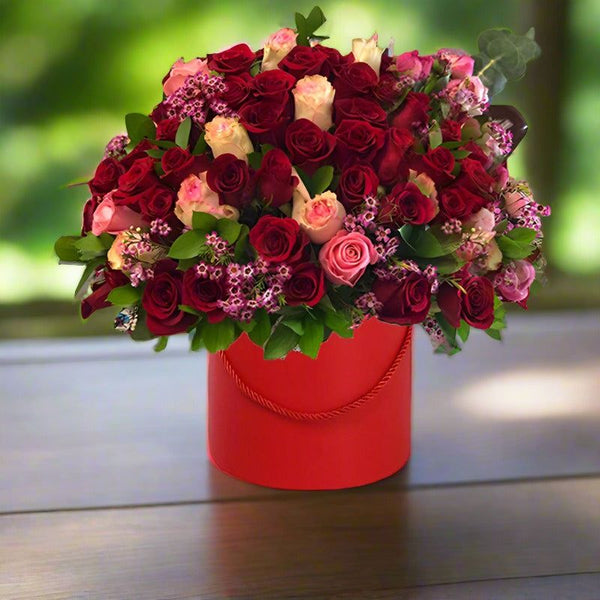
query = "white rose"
{"x": 368, "y": 52}
{"x": 313, "y": 100}
{"x": 277, "y": 47}
{"x": 225, "y": 135}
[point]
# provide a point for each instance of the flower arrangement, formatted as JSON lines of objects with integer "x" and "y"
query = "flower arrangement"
{"x": 294, "y": 191}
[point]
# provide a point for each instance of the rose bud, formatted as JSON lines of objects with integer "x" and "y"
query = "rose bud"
{"x": 195, "y": 196}
{"x": 346, "y": 256}
{"x": 413, "y": 65}
{"x": 367, "y": 51}
{"x": 277, "y": 47}
{"x": 180, "y": 71}
{"x": 321, "y": 218}
{"x": 404, "y": 301}
{"x": 161, "y": 299}
{"x": 275, "y": 178}
{"x": 109, "y": 218}
{"x": 313, "y": 100}
{"x": 514, "y": 281}
{"x": 478, "y": 302}
{"x": 305, "y": 286}
{"x": 225, "y": 135}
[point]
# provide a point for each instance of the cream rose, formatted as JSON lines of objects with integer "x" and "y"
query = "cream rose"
{"x": 368, "y": 52}
{"x": 180, "y": 71}
{"x": 195, "y": 196}
{"x": 321, "y": 218}
{"x": 225, "y": 135}
{"x": 277, "y": 47}
{"x": 313, "y": 100}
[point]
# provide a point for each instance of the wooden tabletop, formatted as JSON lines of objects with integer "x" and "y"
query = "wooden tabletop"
{"x": 106, "y": 491}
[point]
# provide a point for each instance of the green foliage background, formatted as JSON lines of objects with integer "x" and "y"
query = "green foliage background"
{"x": 71, "y": 69}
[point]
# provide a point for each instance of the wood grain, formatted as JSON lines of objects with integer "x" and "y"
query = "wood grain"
{"x": 315, "y": 545}
{"x": 104, "y": 423}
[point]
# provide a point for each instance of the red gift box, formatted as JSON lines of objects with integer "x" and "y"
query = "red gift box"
{"x": 339, "y": 421}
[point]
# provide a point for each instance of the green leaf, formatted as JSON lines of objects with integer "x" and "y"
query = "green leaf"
{"x": 65, "y": 248}
{"x": 295, "y": 324}
{"x": 204, "y": 222}
{"x": 494, "y": 333}
{"x": 92, "y": 246}
{"x": 430, "y": 245}
{"x": 86, "y": 276}
{"x": 161, "y": 343}
{"x": 197, "y": 342}
{"x": 513, "y": 250}
{"x": 255, "y": 160}
{"x": 242, "y": 243}
{"x": 463, "y": 331}
{"x": 246, "y": 326}
{"x": 188, "y": 245}
{"x": 229, "y": 230}
{"x": 182, "y": 137}
{"x": 435, "y": 135}
{"x": 218, "y": 336}
{"x": 311, "y": 339}
{"x": 124, "y": 295}
{"x": 201, "y": 146}
{"x": 139, "y": 127}
{"x": 262, "y": 329}
{"x": 406, "y": 233}
{"x": 282, "y": 340}
{"x": 190, "y": 310}
{"x": 306, "y": 26}
{"x": 321, "y": 180}
{"x": 460, "y": 154}
{"x": 449, "y": 331}
{"x": 522, "y": 235}
{"x": 504, "y": 56}
{"x": 141, "y": 333}
{"x": 155, "y": 153}
{"x": 338, "y": 321}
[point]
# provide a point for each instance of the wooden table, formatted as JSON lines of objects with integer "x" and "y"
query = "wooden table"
{"x": 106, "y": 492}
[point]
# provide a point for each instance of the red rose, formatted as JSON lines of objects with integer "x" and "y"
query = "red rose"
{"x": 477, "y": 154}
{"x": 266, "y": 120}
{"x": 237, "y": 89}
{"x": 278, "y": 240}
{"x": 138, "y": 152}
{"x": 361, "y": 109}
{"x": 88, "y": 213}
{"x": 355, "y": 79}
{"x": 438, "y": 164}
{"x": 358, "y": 141}
{"x": 229, "y": 176}
{"x": 357, "y": 182}
{"x": 457, "y": 202}
{"x": 203, "y": 293}
{"x": 156, "y": 202}
{"x": 475, "y": 177}
{"x": 100, "y": 289}
{"x": 334, "y": 60}
{"x": 139, "y": 176}
{"x": 233, "y": 60}
{"x": 449, "y": 299}
{"x": 275, "y": 180}
{"x": 308, "y": 145}
{"x": 106, "y": 176}
{"x": 303, "y": 60}
{"x": 405, "y": 301}
{"x": 413, "y": 112}
{"x": 406, "y": 204}
{"x": 478, "y": 302}
{"x": 393, "y": 162}
{"x": 451, "y": 131}
{"x": 305, "y": 286}
{"x": 161, "y": 300}
{"x": 178, "y": 163}
{"x": 273, "y": 84}
{"x": 167, "y": 129}
{"x": 387, "y": 89}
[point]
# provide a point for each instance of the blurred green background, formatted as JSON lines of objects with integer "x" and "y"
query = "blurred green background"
{"x": 71, "y": 69}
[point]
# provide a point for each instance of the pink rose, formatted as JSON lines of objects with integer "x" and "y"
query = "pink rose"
{"x": 514, "y": 281}
{"x": 517, "y": 198}
{"x": 413, "y": 65}
{"x": 345, "y": 257}
{"x": 195, "y": 196}
{"x": 469, "y": 94}
{"x": 321, "y": 218}
{"x": 180, "y": 71}
{"x": 110, "y": 218}
{"x": 460, "y": 64}
{"x": 313, "y": 100}
{"x": 277, "y": 47}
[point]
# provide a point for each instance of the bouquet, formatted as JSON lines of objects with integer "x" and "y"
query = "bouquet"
{"x": 293, "y": 192}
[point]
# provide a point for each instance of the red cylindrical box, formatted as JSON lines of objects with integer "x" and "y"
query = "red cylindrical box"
{"x": 339, "y": 421}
